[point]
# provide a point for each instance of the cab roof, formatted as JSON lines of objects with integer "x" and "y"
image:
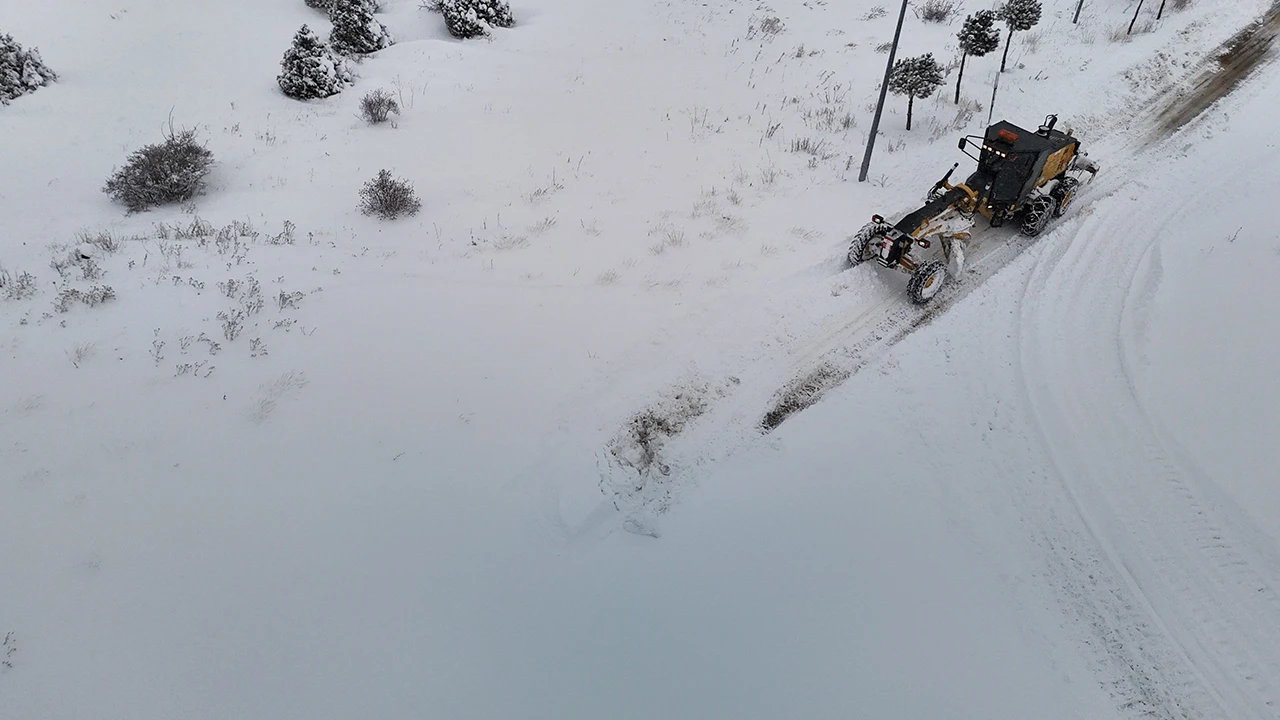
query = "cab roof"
{"x": 1026, "y": 141}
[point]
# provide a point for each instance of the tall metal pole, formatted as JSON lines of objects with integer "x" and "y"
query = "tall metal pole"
{"x": 991, "y": 110}
{"x": 1160, "y": 14}
{"x": 884, "y": 89}
{"x": 1135, "y": 17}
{"x": 1076, "y": 19}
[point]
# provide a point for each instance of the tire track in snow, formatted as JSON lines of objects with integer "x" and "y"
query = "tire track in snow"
{"x": 1211, "y": 631}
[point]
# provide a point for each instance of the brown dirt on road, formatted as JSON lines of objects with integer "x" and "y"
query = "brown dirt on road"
{"x": 1234, "y": 60}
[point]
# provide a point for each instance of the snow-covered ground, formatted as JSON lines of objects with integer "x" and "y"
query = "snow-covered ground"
{"x": 411, "y": 484}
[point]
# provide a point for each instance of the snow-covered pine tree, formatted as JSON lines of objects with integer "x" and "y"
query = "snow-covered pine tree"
{"x": 310, "y": 69}
{"x": 21, "y": 71}
{"x": 325, "y": 5}
{"x": 1018, "y": 15}
{"x": 473, "y": 18}
{"x": 355, "y": 31}
{"x": 978, "y": 37}
{"x": 495, "y": 12}
{"x": 915, "y": 77}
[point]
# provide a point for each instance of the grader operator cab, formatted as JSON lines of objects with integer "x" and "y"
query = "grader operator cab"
{"x": 1028, "y": 177}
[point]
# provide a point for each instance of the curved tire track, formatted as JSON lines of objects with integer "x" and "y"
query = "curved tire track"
{"x": 1173, "y": 578}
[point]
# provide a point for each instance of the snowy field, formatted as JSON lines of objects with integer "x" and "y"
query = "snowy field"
{"x": 419, "y": 477}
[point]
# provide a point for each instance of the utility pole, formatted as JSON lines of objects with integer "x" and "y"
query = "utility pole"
{"x": 1076, "y": 19}
{"x": 992, "y": 108}
{"x": 1160, "y": 14}
{"x": 884, "y": 89}
{"x": 1135, "y": 17}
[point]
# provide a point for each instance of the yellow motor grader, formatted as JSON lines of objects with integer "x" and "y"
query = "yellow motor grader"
{"x": 1022, "y": 176}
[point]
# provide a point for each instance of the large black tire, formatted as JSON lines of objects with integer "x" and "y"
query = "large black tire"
{"x": 1063, "y": 194}
{"x": 927, "y": 281}
{"x": 1039, "y": 213}
{"x": 859, "y": 250}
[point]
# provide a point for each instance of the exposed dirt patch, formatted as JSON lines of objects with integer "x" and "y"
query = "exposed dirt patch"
{"x": 802, "y": 393}
{"x": 1234, "y": 61}
{"x": 638, "y": 446}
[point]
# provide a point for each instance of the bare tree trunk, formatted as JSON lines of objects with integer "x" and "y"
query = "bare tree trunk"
{"x": 911, "y": 99}
{"x": 960, "y": 76}
{"x": 1007, "y": 43}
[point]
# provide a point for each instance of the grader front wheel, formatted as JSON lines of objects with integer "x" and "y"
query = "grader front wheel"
{"x": 859, "y": 244}
{"x": 926, "y": 281}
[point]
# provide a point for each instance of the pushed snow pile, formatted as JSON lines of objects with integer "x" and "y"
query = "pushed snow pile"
{"x": 168, "y": 172}
{"x": 473, "y": 18}
{"x": 21, "y": 71}
{"x": 310, "y": 69}
{"x": 355, "y": 31}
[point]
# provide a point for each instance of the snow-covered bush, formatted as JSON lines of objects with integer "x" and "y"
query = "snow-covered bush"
{"x": 310, "y": 69}
{"x": 21, "y": 71}
{"x": 16, "y": 287}
{"x": 167, "y": 172}
{"x": 496, "y": 13}
{"x": 915, "y": 77}
{"x": 937, "y": 11}
{"x": 355, "y": 31}
{"x": 978, "y": 37}
{"x": 1018, "y": 15}
{"x": 328, "y": 5}
{"x": 473, "y": 18}
{"x": 377, "y": 105}
{"x": 93, "y": 297}
{"x": 388, "y": 197}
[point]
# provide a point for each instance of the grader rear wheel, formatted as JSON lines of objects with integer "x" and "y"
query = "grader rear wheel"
{"x": 1038, "y": 216}
{"x": 1063, "y": 194}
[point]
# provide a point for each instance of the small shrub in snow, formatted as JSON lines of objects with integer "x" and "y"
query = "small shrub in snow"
{"x": 915, "y": 77}
{"x": 90, "y": 270}
{"x": 1018, "y": 15}
{"x": 937, "y": 11}
{"x": 21, "y": 287}
{"x": 103, "y": 240}
{"x": 8, "y": 648}
{"x": 310, "y": 69}
{"x": 388, "y": 197}
{"x": 21, "y": 71}
{"x": 377, "y": 106}
{"x": 355, "y": 31}
{"x": 473, "y": 18}
{"x": 771, "y": 26}
{"x": 168, "y": 172}
{"x": 93, "y": 297}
